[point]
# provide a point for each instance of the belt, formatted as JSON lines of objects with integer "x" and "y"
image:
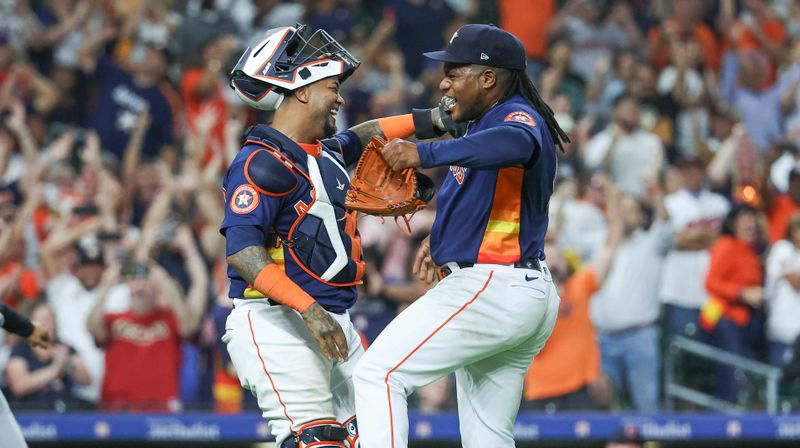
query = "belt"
{"x": 248, "y": 299}
{"x": 449, "y": 268}
{"x": 332, "y": 309}
{"x": 627, "y": 331}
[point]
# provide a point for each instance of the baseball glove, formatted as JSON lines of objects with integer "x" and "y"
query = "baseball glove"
{"x": 377, "y": 190}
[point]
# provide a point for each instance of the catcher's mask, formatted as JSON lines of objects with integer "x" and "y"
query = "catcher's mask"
{"x": 285, "y": 60}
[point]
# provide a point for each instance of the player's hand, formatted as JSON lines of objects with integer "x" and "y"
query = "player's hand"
{"x": 401, "y": 154}
{"x": 424, "y": 267}
{"x": 40, "y": 337}
{"x": 327, "y": 332}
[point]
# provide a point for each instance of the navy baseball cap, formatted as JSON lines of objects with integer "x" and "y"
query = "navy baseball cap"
{"x": 483, "y": 45}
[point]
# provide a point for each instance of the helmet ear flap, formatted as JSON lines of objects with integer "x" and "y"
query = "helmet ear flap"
{"x": 271, "y": 101}
{"x": 257, "y": 94}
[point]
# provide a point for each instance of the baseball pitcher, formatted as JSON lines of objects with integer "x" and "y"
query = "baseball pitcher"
{"x": 496, "y": 304}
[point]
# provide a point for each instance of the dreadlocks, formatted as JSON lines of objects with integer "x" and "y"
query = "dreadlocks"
{"x": 519, "y": 82}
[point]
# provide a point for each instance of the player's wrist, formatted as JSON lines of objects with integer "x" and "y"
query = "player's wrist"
{"x": 312, "y": 308}
{"x": 276, "y": 285}
{"x": 435, "y": 122}
{"x": 425, "y": 123}
{"x": 397, "y": 126}
{"x": 437, "y": 117}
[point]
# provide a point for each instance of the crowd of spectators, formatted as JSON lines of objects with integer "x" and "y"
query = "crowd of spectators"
{"x": 676, "y": 211}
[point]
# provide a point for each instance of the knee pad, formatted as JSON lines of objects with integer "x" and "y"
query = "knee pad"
{"x": 318, "y": 434}
{"x": 351, "y": 425}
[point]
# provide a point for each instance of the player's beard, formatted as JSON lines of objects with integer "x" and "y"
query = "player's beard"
{"x": 329, "y": 128}
{"x": 468, "y": 111}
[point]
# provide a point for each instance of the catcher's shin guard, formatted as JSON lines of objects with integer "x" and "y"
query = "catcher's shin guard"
{"x": 351, "y": 425}
{"x": 318, "y": 434}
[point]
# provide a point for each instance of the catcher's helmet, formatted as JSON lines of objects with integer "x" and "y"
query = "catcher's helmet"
{"x": 285, "y": 60}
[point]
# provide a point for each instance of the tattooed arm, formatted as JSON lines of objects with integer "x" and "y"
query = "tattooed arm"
{"x": 422, "y": 123}
{"x": 251, "y": 261}
{"x": 352, "y": 142}
{"x": 366, "y": 130}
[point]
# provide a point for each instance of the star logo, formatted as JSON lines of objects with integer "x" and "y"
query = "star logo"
{"x": 244, "y": 199}
{"x": 339, "y": 185}
{"x": 126, "y": 120}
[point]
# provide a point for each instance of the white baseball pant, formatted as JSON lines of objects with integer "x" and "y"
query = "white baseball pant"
{"x": 486, "y": 323}
{"x": 278, "y": 360}
{"x": 10, "y": 433}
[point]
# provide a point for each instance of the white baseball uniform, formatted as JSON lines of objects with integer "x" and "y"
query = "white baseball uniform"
{"x": 279, "y": 361}
{"x": 272, "y": 350}
{"x": 493, "y": 313}
{"x": 486, "y": 323}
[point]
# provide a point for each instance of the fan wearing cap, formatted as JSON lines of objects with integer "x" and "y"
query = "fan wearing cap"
{"x": 495, "y": 305}
{"x": 147, "y": 334}
{"x": 293, "y": 251}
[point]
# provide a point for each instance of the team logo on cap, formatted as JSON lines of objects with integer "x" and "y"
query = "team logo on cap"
{"x": 454, "y": 37}
{"x": 244, "y": 199}
{"x": 521, "y": 117}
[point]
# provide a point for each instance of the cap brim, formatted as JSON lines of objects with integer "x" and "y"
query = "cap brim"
{"x": 444, "y": 56}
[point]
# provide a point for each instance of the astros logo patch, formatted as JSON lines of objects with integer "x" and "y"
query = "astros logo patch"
{"x": 244, "y": 199}
{"x": 521, "y": 117}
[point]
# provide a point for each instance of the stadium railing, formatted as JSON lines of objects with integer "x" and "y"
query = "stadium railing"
{"x": 680, "y": 345}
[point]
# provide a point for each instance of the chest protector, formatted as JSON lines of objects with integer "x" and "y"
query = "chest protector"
{"x": 323, "y": 240}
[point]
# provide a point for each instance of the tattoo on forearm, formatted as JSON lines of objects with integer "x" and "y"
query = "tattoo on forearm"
{"x": 366, "y": 130}
{"x": 249, "y": 261}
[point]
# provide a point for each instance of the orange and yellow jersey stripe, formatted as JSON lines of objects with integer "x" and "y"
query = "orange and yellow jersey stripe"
{"x": 500, "y": 244}
{"x": 276, "y": 253}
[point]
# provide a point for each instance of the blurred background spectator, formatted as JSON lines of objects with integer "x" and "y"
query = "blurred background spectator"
{"x": 40, "y": 378}
{"x": 732, "y": 313}
{"x": 783, "y": 294}
{"x": 566, "y": 375}
{"x": 624, "y": 310}
{"x": 695, "y": 215}
{"x": 116, "y": 124}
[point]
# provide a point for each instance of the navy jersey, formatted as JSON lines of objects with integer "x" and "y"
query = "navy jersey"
{"x": 306, "y": 231}
{"x": 492, "y": 207}
{"x": 119, "y": 103}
